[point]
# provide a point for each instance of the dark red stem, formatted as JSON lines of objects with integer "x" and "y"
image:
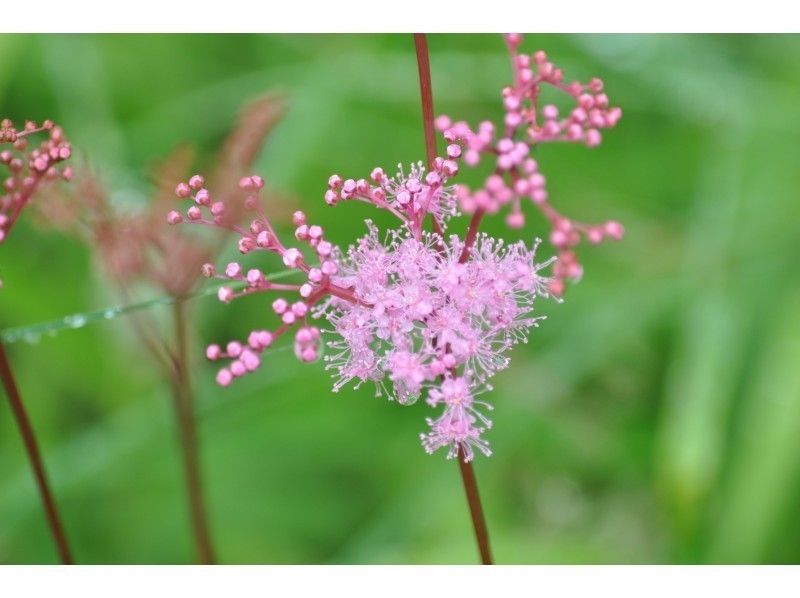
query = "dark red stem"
{"x": 35, "y": 458}
{"x": 475, "y": 509}
{"x": 472, "y": 233}
{"x": 426, "y": 93}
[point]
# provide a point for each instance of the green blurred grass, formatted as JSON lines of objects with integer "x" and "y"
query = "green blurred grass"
{"x": 655, "y": 417}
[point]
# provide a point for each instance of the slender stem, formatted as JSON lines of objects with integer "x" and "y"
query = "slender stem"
{"x": 472, "y": 233}
{"x": 144, "y": 330}
{"x": 426, "y": 93}
{"x": 35, "y": 458}
{"x": 475, "y": 509}
{"x": 184, "y": 410}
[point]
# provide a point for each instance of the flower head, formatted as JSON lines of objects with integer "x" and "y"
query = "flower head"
{"x": 417, "y": 312}
{"x": 515, "y": 178}
{"x": 411, "y": 197}
{"x": 28, "y": 166}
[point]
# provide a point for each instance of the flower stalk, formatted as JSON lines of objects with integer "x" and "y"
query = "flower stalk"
{"x": 35, "y": 459}
{"x": 475, "y": 510}
{"x": 465, "y": 466}
{"x": 183, "y": 402}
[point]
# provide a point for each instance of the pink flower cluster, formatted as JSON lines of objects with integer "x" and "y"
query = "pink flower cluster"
{"x": 426, "y": 320}
{"x": 260, "y": 236}
{"x": 516, "y": 177}
{"x": 417, "y": 312}
{"x": 413, "y": 312}
{"x": 28, "y": 166}
{"x": 410, "y": 197}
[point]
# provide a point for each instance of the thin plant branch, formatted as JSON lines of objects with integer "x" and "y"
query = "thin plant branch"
{"x": 183, "y": 401}
{"x": 475, "y": 509}
{"x": 34, "y": 332}
{"x": 426, "y": 95}
{"x": 467, "y": 473}
{"x": 35, "y": 458}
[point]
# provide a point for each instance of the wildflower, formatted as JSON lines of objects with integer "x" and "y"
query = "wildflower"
{"x": 411, "y": 197}
{"x": 515, "y": 177}
{"x": 461, "y": 424}
{"x": 410, "y": 311}
{"x": 28, "y": 166}
{"x": 137, "y": 246}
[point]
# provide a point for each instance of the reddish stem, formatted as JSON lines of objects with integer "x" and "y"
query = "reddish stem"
{"x": 184, "y": 410}
{"x": 475, "y": 509}
{"x": 35, "y": 458}
{"x": 426, "y": 93}
{"x": 472, "y": 233}
{"x": 425, "y": 90}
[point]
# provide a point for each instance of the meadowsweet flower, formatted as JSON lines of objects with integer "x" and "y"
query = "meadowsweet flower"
{"x": 28, "y": 166}
{"x": 461, "y": 423}
{"x": 515, "y": 178}
{"x": 410, "y": 311}
{"x": 420, "y": 313}
{"x": 422, "y": 317}
{"x": 411, "y": 197}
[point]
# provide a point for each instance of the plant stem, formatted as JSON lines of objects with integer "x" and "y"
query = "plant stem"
{"x": 475, "y": 509}
{"x": 467, "y": 474}
{"x": 472, "y": 233}
{"x": 35, "y": 458}
{"x": 184, "y": 410}
{"x": 426, "y": 95}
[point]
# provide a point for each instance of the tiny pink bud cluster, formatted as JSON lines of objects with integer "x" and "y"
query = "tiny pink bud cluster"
{"x": 244, "y": 357}
{"x": 516, "y": 176}
{"x": 307, "y": 343}
{"x": 28, "y": 166}
{"x": 411, "y": 197}
{"x": 261, "y": 236}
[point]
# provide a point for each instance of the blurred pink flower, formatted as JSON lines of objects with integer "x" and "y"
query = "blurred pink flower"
{"x": 28, "y": 166}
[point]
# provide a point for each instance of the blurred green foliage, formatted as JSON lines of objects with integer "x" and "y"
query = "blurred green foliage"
{"x": 654, "y": 418}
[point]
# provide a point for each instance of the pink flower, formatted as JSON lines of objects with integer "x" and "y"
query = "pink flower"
{"x": 415, "y": 311}
{"x": 411, "y": 197}
{"x": 28, "y": 166}
{"x": 410, "y": 311}
{"x": 515, "y": 178}
{"x": 422, "y": 317}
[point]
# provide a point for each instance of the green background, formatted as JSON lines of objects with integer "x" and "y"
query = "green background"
{"x": 654, "y": 418}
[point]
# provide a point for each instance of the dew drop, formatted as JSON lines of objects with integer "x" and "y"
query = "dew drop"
{"x": 75, "y": 321}
{"x": 32, "y": 338}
